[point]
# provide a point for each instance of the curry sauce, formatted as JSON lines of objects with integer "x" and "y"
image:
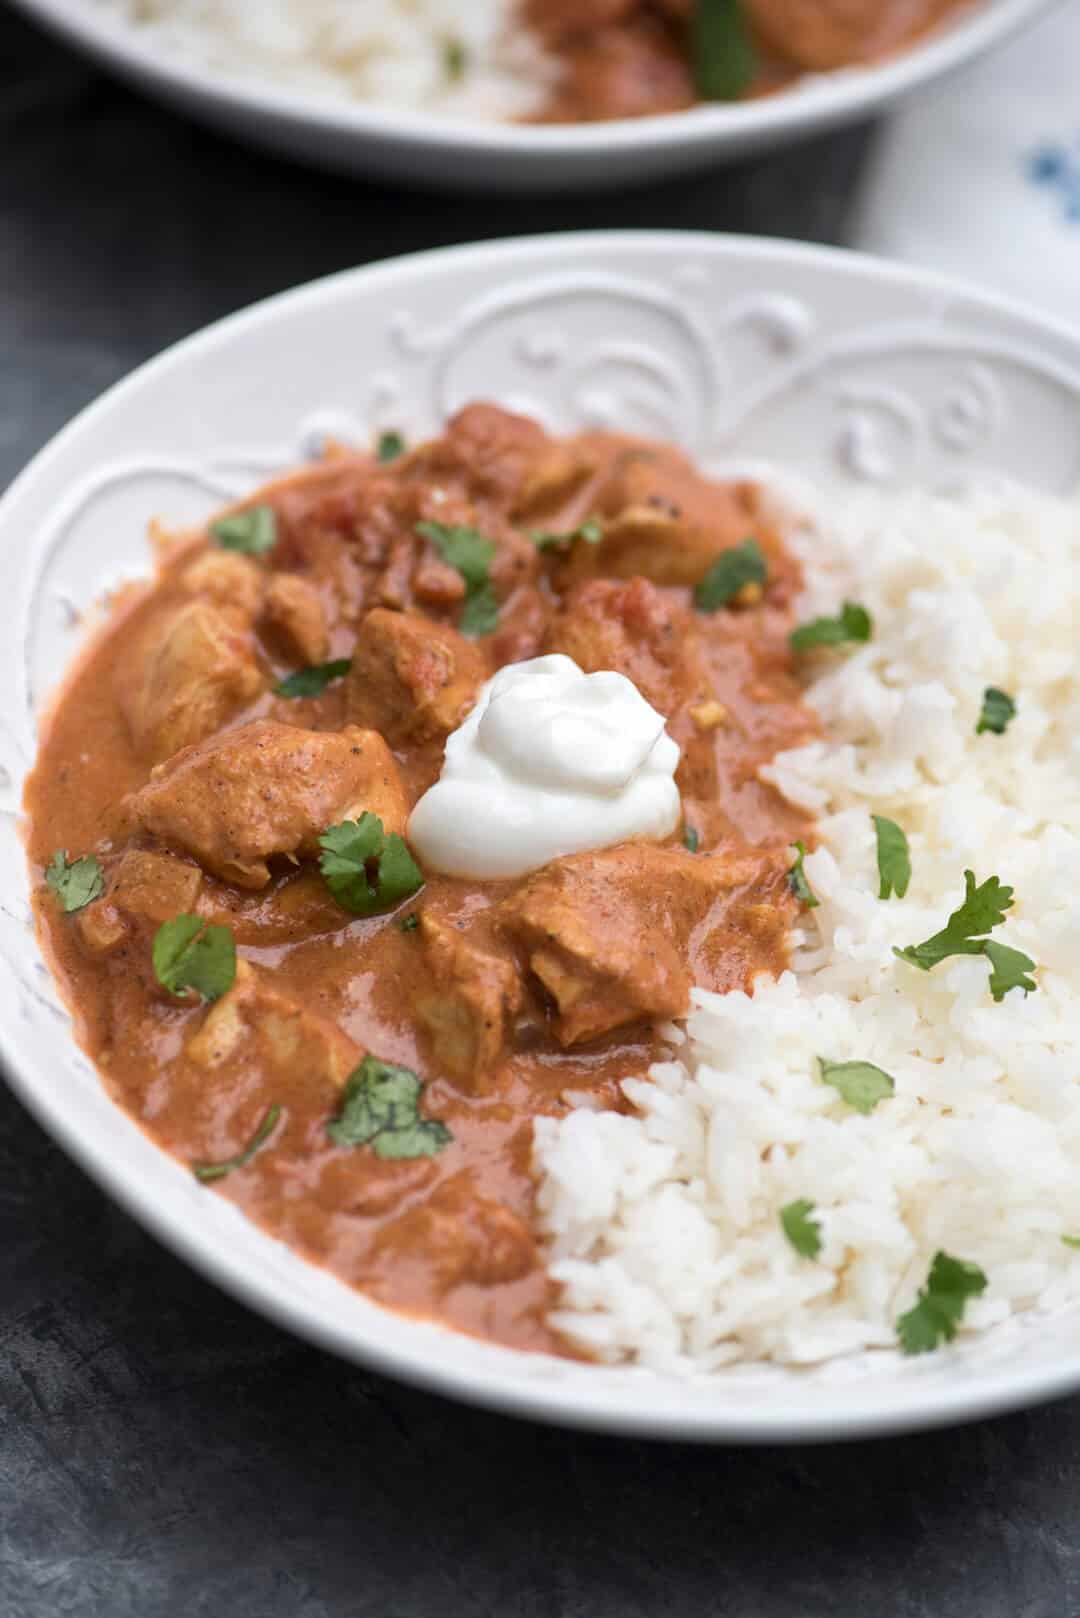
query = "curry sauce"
{"x": 174, "y": 760}
{"x": 633, "y": 58}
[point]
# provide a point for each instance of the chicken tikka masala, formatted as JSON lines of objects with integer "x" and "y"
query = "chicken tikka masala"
{"x": 349, "y": 1043}
{"x": 629, "y": 58}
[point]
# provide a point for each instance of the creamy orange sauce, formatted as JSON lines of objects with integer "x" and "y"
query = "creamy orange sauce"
{"x": 448, "y": 1236}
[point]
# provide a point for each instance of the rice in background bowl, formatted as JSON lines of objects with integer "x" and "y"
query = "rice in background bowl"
{"x": 467, "y": 60}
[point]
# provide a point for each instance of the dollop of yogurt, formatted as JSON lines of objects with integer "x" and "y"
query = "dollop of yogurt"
{"x": 550, "y": 761}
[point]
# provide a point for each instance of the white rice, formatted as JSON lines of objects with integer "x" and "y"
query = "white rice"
{"x": 389, "y": 51}
{"x": 664, "y": 1226}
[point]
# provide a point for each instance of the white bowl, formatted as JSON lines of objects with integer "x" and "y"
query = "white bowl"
{"x": 740, "y": 350}
{"x": 369, "y": 139}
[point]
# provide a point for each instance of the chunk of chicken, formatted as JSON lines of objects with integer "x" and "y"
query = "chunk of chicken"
{"x": 567, "y": 19}
{"x": 226, "y": 577}
{"x": 412, "y": 679}
{"x": 634, "y": 630}
{"x": 555, "y": 477}
{"x": 155, "y": 886}
{"x": 491, "y": 450}
{"x": 819, "y": 35}
{"x": 266, "y": 789}
{"x": 142, "y": 886}
{"x": 616, "y": 60}
{"x": 662, "y": 520}
{"x": 101, "y": 928}
{"x": 293, "y": 611}
{"x": 466, "y": 1000}
{"x": 563, "y": 20}
{"x": 185, "y": 676}
{"x": 607, "y": 934}
{"x": 260, "y": 1026}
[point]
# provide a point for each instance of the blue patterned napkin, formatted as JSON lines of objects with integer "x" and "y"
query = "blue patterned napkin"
{"x": 980, "y": 174}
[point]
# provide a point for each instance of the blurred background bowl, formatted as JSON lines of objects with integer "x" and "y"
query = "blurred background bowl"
{"x": 410, "y": 145}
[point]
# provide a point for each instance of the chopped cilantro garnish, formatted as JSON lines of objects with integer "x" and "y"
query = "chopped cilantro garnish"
{"x": 310, "y": 682}
{"x": 1071, "y": 1241}
{"x": 721, "y": 50}
{"x": 591, "y": 532}
{"x": 217, "y": 1171}
{"x": 941, "y": 1303}
{"x": 366, "y": 870}
{"x": 464, "y": 549}
{"x": 997, "y": 709}
{"x": 455, "y": 59}
{"x": 860, "y": 1084}
{"x": 409, "y": 923}
{"x": 187, "y": 954}
{"x": 853, "y": 626}
{"x": 380, "y": 1108}
{"x": 732, "y": 571}
{"x": 480, "y": 614}
{"x": 254, "y": 531}
{"x": 800, "y": 1228}
{"x": 76, "y": 883}
{"x": 893, "y": 858}
{"x": 691, "y": 840}
{"x": 389, "y": 446}
{"x": 798, "y": 882}
{"x": 1009, "y": 969}
{"x": 983, "y": 909}
{"x": 470, "y": 554}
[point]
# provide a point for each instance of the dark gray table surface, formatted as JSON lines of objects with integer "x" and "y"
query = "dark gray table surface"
{"x": 165, "y": 1454}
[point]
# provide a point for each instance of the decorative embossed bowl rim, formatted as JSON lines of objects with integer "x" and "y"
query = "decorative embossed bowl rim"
{"x": 745, "y": 351}
{"x": 452, "y": 153}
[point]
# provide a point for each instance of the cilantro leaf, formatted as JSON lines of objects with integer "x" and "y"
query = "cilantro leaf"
{"x": 732, "y": 571}
{"x": 591, "y": 532}
{"x": 854, "y": 625}
{"x": 721, "y": 50}
{"x": 424, "y": 1138}
{"x": 1071, "y": 1241}
{"x": 310, "y": 682}
{"x": 206, "y": 1172}
{"x": 1008, "y": 969}
{"x": 380, "y": 1108}
{"x": 366, "y": 870}
{"x": 893, "y": 858}
{"x": 466, "y": 550}
{"x": 455, "y": 59}
{"x": 997, "y": 709}
{"x": 801, "y": 1230}
{"x": 860, "y": 1084}
{"x": 187, "y": 954}
{"x": 480, "y": 614}
{"x": 388, "y": 447}
{"x": 409, "y": 923}
{"x": 76, "y": 883}
{"x": 798, "y": 882}
{"x": 983, "y": 908}
{"x": 252, "y": 532}
{"x": 933, "y": 1319}
{"x": 691, "y": 840}
{"x": 470, "y": 554}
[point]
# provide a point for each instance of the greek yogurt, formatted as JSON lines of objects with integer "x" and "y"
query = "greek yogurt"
{"x": 550, "y": 761}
